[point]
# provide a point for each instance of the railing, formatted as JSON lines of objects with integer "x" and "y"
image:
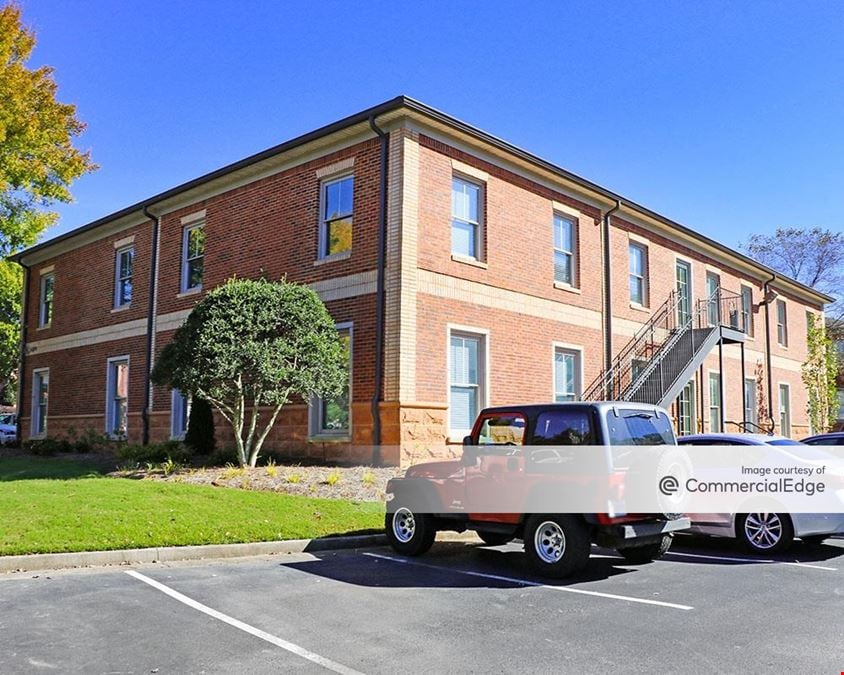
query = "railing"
{"x": 661, "y": 349}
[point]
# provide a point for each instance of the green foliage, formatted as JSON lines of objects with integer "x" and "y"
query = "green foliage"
{"x": 333, "y": 478}
{"x": 819, "y": 372}
{"x": 200, "y": 433}
{"x": 222, "y": 457}
{"x": 251, "y": 344}
{"x": 171, "y": 451}
{"x": 48, "y": 447}
{"x": 38, "y": 162}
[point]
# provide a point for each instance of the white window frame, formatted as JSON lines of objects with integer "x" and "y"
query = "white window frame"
{"x": 713, "y": 429}
{"x": 45, "y": 315}
{"x": 577, "y": 352}
{"x": 643, "y": 279}
{"x": 118, "y": 279}
{"x": 316, "y": 404}
{"x": 784, "y": 408}
{"x": 178, "y": 416}
{"x": 186, "y": 230}
{"x": 111, "y": 384}
{"x": 39, "y": 375}
{"x": 573, "y": 223}
{"x": 782, "y": 325}
{"x": 692, "y": 408}
{"x": 678, "y": 261}
{"x": 748, "y": 327}
{"x": 751, "y": 404}
{"x": 482, "y": 334}
{"x": 478, "y": 225}
{"x": 713, "y": 309}
{"x": 322, "y": 253}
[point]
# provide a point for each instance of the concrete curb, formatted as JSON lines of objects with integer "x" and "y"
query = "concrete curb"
{"x": 55, "y": 561}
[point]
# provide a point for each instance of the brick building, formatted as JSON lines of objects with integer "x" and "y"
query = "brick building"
{"x": 464, "y": 272}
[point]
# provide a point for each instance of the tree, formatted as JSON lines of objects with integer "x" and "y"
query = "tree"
{"x": 815, "y": 257}
{"x": 38, "y": 163}
{"x": 251, "y": 345}
{"x": 819, "y": 373}
{"x": 199, "y": 436}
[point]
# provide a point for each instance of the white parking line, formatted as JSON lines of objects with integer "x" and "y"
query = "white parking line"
{"x": 751, "y": 560}
{"x": 524, "y": 582}
{"x": 246, "y": 628}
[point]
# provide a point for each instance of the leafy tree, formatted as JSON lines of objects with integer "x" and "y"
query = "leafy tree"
{"x": 200, "y": 434}
{"x": 819, "y": 373}
{"x": 251, "y": 345}
{"x": 38, "y": 162}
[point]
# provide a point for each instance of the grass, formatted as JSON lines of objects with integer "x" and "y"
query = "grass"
{"x": 52, "y": 505}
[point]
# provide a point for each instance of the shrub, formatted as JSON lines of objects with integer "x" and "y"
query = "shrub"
{"x": 333, "y": 478}
{"x": 47, "y": 447}
{"x": 368, "y": 479}
{"x": 200, "y": 433}
{"x": 171, "y": 451}
{"x": 222, "y": 457}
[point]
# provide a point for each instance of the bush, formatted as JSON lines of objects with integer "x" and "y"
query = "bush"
{"x": 171, "y": 451}
{"x": 200, "y": 433}
{"x": 47, "y": 447}
{"x": 222, "y": 457}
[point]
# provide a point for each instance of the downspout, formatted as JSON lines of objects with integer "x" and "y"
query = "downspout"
{"x": 607, "y": 282}
{"x": 151, "y": 310}
{"x": 767, "y": 302}
{"x": 380, "y": 294}
{"x": 22, "y": 357}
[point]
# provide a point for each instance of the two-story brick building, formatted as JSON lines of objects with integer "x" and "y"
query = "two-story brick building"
{"x": 464, "y": 272}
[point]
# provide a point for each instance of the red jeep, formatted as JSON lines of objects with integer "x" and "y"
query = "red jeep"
{"x": 517, "y": 461}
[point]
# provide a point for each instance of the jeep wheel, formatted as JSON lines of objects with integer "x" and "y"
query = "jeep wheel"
{"x": 765, "y": 532}
{"x": 556, "y": 546}
{"x": 410, "y": 533}
{"x": 495, "y": 538}
{"x": 639, "y": 555}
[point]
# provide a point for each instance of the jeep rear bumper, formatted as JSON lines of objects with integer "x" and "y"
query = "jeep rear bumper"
{"x": 639, "y": 534}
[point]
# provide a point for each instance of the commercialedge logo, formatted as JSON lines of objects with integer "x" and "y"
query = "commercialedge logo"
{"x": 774, "y": 486}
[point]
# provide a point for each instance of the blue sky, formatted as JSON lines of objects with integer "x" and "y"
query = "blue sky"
{"x": 727, "y": 117}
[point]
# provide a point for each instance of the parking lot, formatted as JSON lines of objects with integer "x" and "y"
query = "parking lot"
{"x": 706, "y": 607}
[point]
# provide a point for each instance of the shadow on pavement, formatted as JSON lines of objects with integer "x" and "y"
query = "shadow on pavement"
{"x": 719, "y": 547}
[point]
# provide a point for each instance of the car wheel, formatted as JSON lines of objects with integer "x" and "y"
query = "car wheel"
{"x": 495, "y": 538}
{"x": 815, "y": 539}
{"x": 638, "y": 555}
{"x": 765, "y": 532}
{"x": 556, "y": 546}
{"x": 410, "y": 533}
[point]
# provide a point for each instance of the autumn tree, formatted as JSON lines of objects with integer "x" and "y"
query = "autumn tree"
{"x": 38, "y": 163}
{"x": 249, "y": 348}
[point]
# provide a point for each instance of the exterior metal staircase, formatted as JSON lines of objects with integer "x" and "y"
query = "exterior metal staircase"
{"x": 664, "y": 353}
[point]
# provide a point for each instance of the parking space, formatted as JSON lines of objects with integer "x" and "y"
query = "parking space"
{"x": 462, "y": 608}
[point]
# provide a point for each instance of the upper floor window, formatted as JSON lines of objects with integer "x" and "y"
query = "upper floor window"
{"x": 638, "y": 274}
{"x": 335, "y": 229}
{"x": 565, "y": 236}
{"x": 782, "y": 323}
{"x": 124, "y": 264}
{"x": 45, "y": 304}
{"x": 465, "y": 218}
{"x": 193, "y": 256}
{"x": 747, "y": 310}
{"x": 566, "y": 374}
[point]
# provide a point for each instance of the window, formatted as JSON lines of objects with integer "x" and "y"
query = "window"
{"x": 750, "y": 413}
{"x": 193, "y": 256}
{"x": 565, "y": 238}
{"x": 714, "y": 402}
{"x": 785, "y": 410}
{"x": 563, "y": 427}
{"x": 747, "y": 310}
{"x": 179, "y": 415}
{"x": 331, "y": 417}
{"x": 124, "y": 264}
{"x": 638, "y": 274}
{"x": 782, "y": 323}
{"x": 637, "y": 367}
{"x": 40, "y": 396}
{"x": 465, "y": 218}
{"x": 335, "y": 228}
{"x": 713, "y": 295}
{"x": 507, "y": 429}
{"x": 683, "y": 275}
{"x": 566, "y": 374}
{"x": 466, "y": 381}
{"x": 45, "y": 305}
{"x": 117, "y": 397}
{"x": 686, "y": 410}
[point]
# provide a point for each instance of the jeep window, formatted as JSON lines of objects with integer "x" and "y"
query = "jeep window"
{"x": 563, "y": 427}
{"x": 505, "y": 429}
{"x": 639, "y": 428}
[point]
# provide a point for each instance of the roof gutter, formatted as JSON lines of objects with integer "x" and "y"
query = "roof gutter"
{"x": 152, "y": 308}
{"x": 380, "y": 293}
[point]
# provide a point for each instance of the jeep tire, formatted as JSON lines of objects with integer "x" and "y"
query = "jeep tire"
{"x": 639, "y": 555}
{"x": 409, "y": 533}
{"x": 556, "y": 545}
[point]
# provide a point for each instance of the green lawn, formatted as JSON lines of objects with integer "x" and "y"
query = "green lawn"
{"x": 50, "y": 505}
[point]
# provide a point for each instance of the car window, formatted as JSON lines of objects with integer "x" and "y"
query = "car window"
{"x": 825, "y": 441}
{"x": 639, "y": 428}
{"x": 784, "y": 441}
{"x": 563, "y": 427}
{"x": 504, "y": 429}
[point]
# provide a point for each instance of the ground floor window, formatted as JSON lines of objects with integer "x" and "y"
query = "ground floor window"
{"x": 332, "y": 416}
{"x": 179, "y": 415}
{"x": 686, "y": 410}
{"x": 751, "y": 415}
{"x": 466, "y": 380}
{"x": 566, "y": 374}
{"x": 117, "y": 397}
{"x": 40, "y": 395}
{"x": 785, "y": 410}
{"x": 714, "y": 402}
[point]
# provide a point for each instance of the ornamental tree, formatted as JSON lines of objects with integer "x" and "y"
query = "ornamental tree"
{"x": 819, "y": 373}
{"x": 250, "y": 347}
